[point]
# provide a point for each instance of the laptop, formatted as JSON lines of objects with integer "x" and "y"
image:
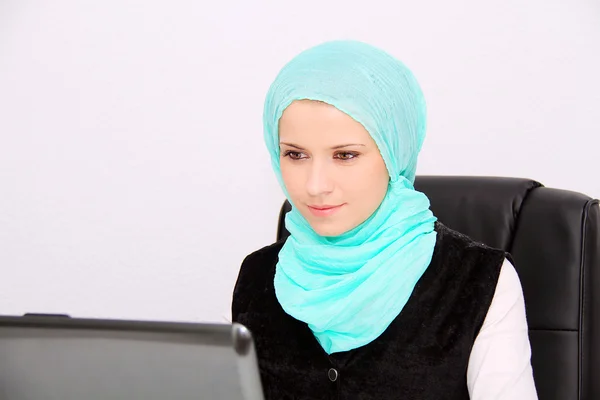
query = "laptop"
{"x": 44, "y": 357}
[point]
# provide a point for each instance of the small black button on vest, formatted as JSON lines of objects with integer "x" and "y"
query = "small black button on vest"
{"x": 422, "y": 355}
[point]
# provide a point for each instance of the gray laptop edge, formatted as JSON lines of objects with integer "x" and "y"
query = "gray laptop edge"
{"x": 60, "y": 358}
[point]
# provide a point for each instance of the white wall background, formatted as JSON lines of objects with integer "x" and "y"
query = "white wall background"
{"x": 133, "y": 177}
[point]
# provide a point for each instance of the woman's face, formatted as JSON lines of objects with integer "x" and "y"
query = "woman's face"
{"x": 331, "y": 167}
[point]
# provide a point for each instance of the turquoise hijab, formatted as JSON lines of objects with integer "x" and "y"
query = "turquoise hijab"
{"x": 349, "y": 288}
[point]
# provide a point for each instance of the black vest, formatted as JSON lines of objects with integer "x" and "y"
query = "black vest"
{"x": 422, "y": 355}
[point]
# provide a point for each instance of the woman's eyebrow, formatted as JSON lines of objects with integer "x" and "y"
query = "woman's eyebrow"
{"x": 346, "y": 145}
{"x": 341, "y": 146}
{"x": 291, "y": 145}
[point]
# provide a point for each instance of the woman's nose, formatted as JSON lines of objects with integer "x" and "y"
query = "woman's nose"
{"x": 319, "y": 179}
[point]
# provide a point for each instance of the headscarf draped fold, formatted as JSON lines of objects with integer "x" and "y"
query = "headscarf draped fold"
{"x": 349, "y": 288}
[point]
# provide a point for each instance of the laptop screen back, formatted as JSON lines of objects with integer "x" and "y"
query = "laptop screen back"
{"x": 73, "y": 362}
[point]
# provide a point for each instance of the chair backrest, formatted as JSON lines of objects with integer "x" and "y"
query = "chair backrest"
{"x": 553, "y": 236}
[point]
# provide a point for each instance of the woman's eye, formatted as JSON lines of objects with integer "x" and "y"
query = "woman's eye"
{"x": 346, "y": 156}
{"x": 294, "y": 155}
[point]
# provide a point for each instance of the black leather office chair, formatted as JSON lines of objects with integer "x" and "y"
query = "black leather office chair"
{"x": 553, "y": 236}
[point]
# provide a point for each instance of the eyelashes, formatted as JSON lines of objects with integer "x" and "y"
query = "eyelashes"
{"x": 346, "y": 155}
{"x": 340, "y": 155}
{"x": 293, "y": 155}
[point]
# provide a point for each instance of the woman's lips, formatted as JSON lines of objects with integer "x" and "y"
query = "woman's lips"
{"x": 324, "y": 210}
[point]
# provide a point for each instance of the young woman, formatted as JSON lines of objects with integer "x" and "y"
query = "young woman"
{"x": 370, "y": 297}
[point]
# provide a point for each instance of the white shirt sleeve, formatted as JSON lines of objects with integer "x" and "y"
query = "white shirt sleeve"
{"x": 500, "y": 362}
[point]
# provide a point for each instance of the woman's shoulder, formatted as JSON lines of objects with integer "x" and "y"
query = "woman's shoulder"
{"x": 255, "y": 276}
{"x": 261, "y": 262}
{"x": 456, "y": 254}
{"x": 450, "y": 237}
{"x": 269, "y": 252}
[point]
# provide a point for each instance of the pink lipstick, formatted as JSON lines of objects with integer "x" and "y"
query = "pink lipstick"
{"x": 324, "y": 210}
